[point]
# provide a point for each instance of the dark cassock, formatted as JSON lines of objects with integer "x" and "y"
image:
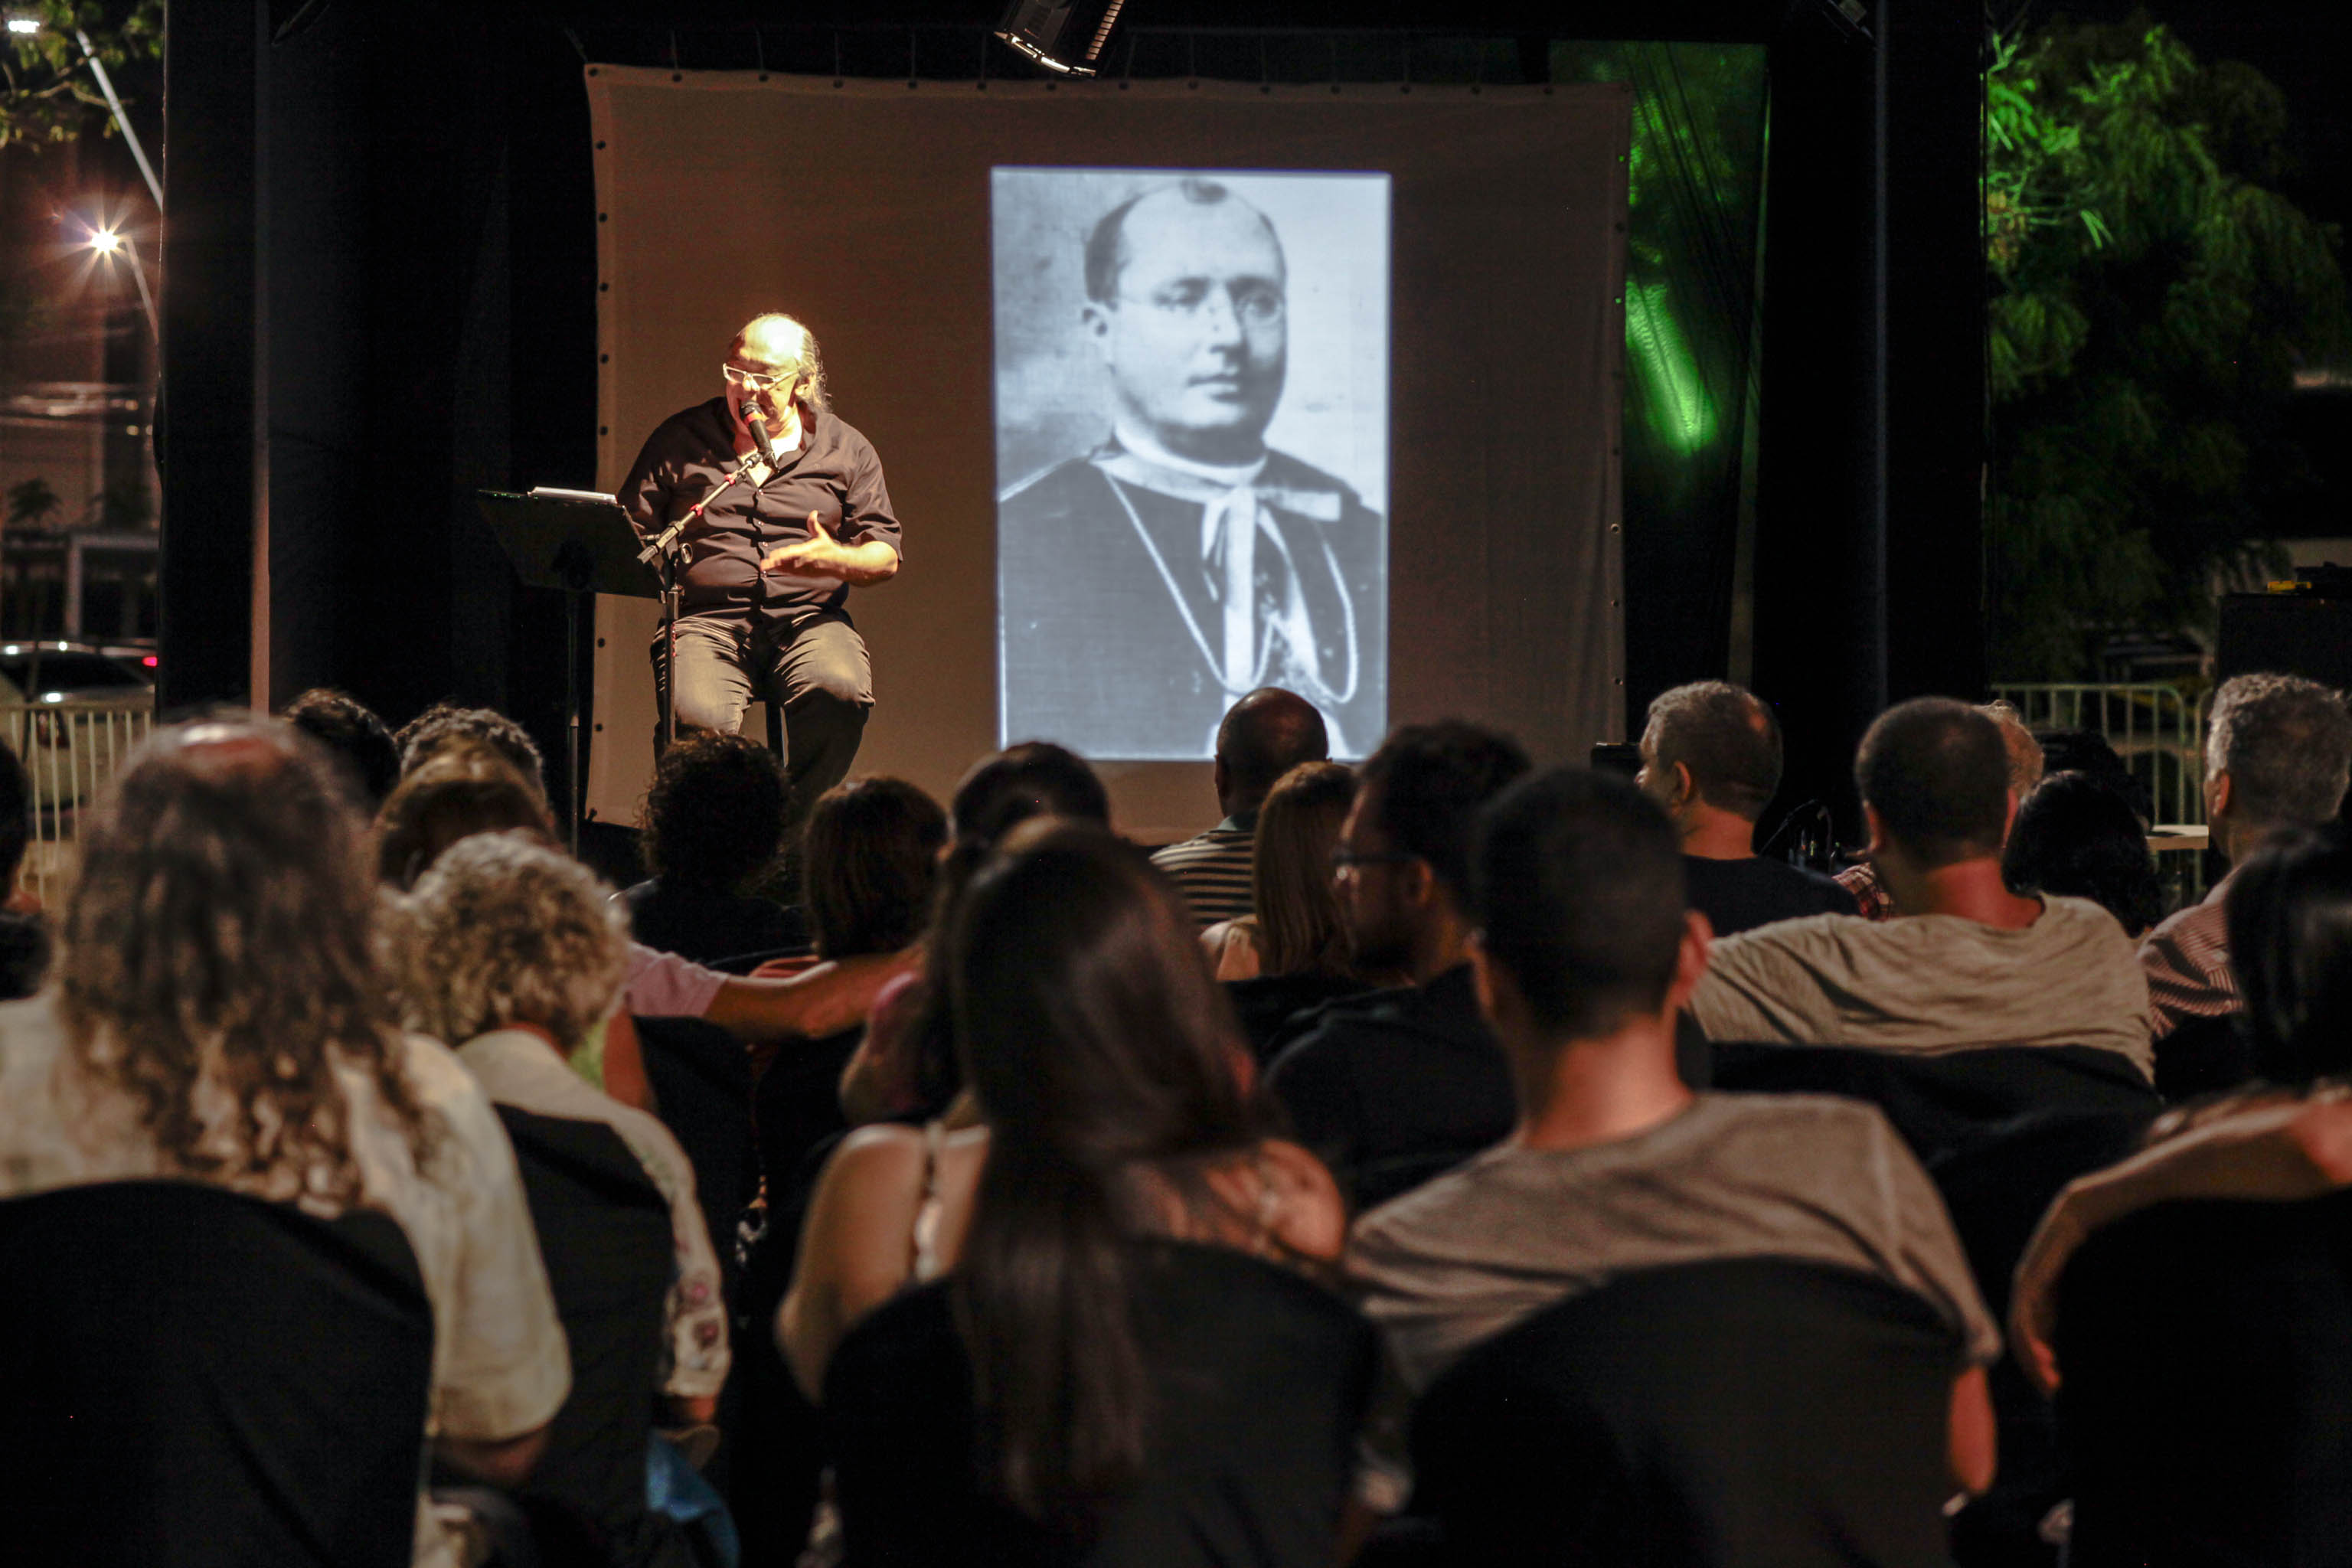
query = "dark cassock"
{"x": 1139, "y": 598}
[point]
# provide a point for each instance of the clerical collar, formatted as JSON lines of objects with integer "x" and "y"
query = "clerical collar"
{"x": 1153, "y": 452}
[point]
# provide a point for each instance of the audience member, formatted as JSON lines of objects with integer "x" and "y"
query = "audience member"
{"x": 1965, "y": 961}
{"x": 461, "y": 788}
{"x": 464, "y": 789}
{"x": 1115, "y": 1364}
{"x": 2277, "y": 751}
{"x": 2025, "y": 763}
{"x": 1262, "y": 737}
{"x": 1711, "y": 756}
{"x": 1391, "y": 1088}
{"x": 2077, "y": 835}
{"x": 713, "y": 820}
{"x": 23, "y": 932}
{"x": 359, "y": 741}
{"x": 445, "y": 723}
{"x": 1584, "y": 956}
{"x": 870, "y": 855}
{"x": 1295, "y": 925}
{"x": 1294, "y": 953}
{"x": 516, "y": 951}
{"x": 219, "y": 1016}
{"x": 906, "y": 1068}
{"x": 2284, "y": 1137}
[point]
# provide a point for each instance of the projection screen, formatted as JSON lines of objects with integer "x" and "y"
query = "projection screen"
{"x": 1180, "y": 388}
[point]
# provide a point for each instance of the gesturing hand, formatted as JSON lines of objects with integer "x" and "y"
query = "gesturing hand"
{"x": 818, "y": 555}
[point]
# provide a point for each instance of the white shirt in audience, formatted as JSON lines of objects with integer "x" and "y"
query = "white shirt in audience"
{"x": 501, "y": 1365}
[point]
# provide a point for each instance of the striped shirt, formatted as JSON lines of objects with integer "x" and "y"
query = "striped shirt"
{"x": 2187, "y": 959}
{"x": 1213, "y": 871}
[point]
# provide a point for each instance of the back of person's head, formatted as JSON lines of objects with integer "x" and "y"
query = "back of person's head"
{"x": 459, "y": 791}
{"x": 1726, "y": 736}
{"x": 1425, "y": 785}
{"x": 1299, "y": 923}
{"x": 2286, "y": 745}
{"x": 2289, "y": 919}
{"x": 1937, "y": 773}
{"x": 502, "y": 930}
{"x": 1577, "y": 887}
{"x": 351, "y": 729}
{"x": 870, "y": 855}
{"x": 2025, "y": 759}
{"x": 220, "y": 937}
{"x": 2088, "y": 752}
{"x": 1107, "y": 1064}
{"x": 15, "y": 816}
{"x": 714, "y": 815}
{"x": 1036, "y": 778}
{"x": 2077, "y": 835}
{"x": 449, "y": 723}
{"x": 1262, "y": 737}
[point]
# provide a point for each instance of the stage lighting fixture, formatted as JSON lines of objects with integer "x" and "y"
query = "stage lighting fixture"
{"x": 1066, "y": 36}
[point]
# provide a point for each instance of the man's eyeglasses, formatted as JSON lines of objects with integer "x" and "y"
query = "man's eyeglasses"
{"x": 1252, "y": 306}
{"x": 1349, "y": 859}
{"x": 751, "y": 380}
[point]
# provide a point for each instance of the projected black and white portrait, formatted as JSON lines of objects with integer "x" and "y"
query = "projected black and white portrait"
{"x": 1192, "y": 420}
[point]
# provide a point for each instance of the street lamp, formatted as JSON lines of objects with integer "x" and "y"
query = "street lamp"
{"x": 110, "y": 243}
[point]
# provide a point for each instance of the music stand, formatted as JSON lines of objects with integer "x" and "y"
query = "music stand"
{"x": 581, "y": 542}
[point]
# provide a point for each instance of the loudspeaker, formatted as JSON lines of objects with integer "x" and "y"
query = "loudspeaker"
{"x": 2293, "y": 634}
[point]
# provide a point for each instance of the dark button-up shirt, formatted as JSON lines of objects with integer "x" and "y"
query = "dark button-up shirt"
{"x": 834, "y": 474}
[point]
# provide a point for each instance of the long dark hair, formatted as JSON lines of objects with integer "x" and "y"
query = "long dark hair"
{"x": 1105, "y": 1063}
{"x": 869, "y": 857}
{"x": 2290, "y": 922}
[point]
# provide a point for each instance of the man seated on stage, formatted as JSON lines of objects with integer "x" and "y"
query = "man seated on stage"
{"x": 1264, "y": 736}
{"x": 764, "y": 608}
{"x": 1182, "y": 564}
{"x": 1391, "y": 1088}
{"x": 1711, "y": 756}
{"x": 1585, "y": 955}
{"x": 1963, "y": 961}
{"x": 2277, "y": 752}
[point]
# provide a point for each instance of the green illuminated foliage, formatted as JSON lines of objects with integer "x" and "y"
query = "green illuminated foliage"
{"x": 2151, "y": 297}
{"x": 46, "y": 93}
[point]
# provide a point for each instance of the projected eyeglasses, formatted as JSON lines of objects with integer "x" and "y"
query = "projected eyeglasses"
{"x": 750, "y": 380}
{"x": 1255, "y": 307}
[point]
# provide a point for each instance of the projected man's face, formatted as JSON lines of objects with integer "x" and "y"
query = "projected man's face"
{"x": 1195, "y": 338}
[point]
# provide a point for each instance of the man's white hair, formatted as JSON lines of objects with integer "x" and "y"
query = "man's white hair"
{"x": 801, "y": 357}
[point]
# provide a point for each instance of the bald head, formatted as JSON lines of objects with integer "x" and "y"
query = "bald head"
{"x": 1264, "y": 736}
{"x": 775, "y": 345}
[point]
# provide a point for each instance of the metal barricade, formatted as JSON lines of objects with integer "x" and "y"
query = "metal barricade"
{"x": 71, "y": 753}
{"x": 2160, "y": 732}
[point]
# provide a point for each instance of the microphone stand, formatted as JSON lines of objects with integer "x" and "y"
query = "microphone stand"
{"x": 665, "y": 556}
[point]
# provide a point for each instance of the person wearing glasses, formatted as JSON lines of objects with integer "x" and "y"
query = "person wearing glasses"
{"x": 1392, "y": 1088}
{"x": 1149, "y": 584}
{"x": 764, "y": 614}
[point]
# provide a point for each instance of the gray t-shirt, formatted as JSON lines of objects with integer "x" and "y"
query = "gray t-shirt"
{"x": 1931, "y": 983}
{"x": 1737, "y": 1175}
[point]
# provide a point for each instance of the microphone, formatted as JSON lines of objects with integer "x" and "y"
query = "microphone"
{"x": 757, "y": 418}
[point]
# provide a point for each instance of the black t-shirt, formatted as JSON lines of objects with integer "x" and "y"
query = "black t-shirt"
{"x": 709, "y": 926}
{"x": 1259, "y": 1381}
{"x": 1395, "y": 1086}
{"x": 1740, "y": 895}
{"x": 834, "y": 473}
